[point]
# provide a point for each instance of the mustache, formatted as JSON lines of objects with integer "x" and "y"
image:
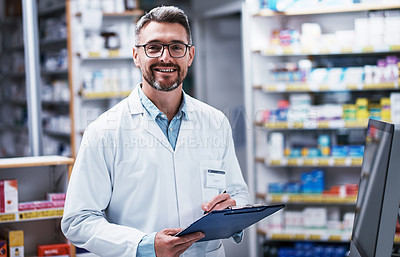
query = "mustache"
{"x": 165, "y": 65}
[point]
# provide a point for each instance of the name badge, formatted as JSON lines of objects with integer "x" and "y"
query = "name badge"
{"x": 216, "y": 179}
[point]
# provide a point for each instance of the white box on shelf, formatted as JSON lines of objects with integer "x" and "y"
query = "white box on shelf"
{"x": 8, "y": 196}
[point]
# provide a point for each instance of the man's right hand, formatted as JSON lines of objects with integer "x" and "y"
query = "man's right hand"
{"x": 168, "y": 245}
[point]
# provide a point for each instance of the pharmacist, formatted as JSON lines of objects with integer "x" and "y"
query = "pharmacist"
{"x": 152, "y": 164}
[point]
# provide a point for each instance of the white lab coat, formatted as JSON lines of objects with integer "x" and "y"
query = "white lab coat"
{"x": 127, "y": 180}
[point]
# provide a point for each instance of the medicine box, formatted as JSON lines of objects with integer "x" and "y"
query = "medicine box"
{"x": 8, "y": 196}
{"x": 16, "y": 243}
{"x": 3, "y": 248}
{"x": 60, "y": 250}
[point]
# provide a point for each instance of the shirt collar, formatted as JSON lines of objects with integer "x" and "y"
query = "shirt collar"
{"x": 154, "y": 111}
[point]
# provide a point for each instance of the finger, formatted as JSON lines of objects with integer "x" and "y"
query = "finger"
{"x": 224, "y": 204}
{"x": 189, "y": 238}
{"x": 171, "y": 231}
{"x": 218, "y": 198}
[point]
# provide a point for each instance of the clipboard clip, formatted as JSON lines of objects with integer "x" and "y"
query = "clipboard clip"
{"x": 247, "y": 206}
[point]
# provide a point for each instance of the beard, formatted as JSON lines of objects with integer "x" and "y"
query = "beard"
{"x": 150, "y": 78}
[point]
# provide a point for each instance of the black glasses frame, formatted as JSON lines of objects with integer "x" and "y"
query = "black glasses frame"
{"x": 163, "y": 47}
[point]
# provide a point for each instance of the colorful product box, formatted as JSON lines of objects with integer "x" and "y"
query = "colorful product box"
{"x": 16, "y": 243}
{"x": 27, "y": 206}
{"x": 56, "y": 196}
{"x": 59, "y": 250}
{"x": 3, "y": 248}
{"x": 8, "y": 196}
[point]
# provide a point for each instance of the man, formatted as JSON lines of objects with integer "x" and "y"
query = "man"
{"x": 156, "y": 161}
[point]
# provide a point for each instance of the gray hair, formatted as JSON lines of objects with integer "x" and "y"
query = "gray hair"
{"x": 170, "y": 14}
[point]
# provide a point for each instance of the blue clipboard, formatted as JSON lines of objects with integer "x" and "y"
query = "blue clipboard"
{"x": 225, "y": 223}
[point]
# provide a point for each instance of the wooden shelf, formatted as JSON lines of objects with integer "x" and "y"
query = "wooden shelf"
{"x": 321, "y": 9}
{"x": 35, "y": 161}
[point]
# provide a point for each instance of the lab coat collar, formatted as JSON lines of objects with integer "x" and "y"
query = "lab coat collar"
{"x": 136, "y": 107}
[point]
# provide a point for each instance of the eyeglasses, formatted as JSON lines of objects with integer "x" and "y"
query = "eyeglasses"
{"x": 155, "y": 50}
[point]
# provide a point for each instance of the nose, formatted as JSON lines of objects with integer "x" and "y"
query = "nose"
{"x": 165, "y": 56}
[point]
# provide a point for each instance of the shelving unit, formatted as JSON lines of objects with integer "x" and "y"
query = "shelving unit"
{"x": 36, "y": 176}
{"x": 55, "y": 83}
{"x": 101, "y": 75}
{"x": 265, "y": 86}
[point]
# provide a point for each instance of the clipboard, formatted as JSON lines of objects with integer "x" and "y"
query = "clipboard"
{"x": 225, "y": 223}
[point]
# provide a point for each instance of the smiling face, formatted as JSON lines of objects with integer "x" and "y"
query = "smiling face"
{"x": 164, "y": 73}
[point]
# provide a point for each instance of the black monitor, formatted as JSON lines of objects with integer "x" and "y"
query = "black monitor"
{"x": 379, "y": 192}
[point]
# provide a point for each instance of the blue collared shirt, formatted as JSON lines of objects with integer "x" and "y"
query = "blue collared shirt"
{"x": 171, "y": 131}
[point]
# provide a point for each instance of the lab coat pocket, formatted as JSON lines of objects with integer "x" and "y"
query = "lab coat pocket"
{"x": 208, "y": 192}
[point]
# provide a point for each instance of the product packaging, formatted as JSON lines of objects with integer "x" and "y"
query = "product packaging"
{"x": 59, "y": 250}
{"x": 8, "y": 196}
{"x": 3, "y": 248}
{"x": 16, "y": 243}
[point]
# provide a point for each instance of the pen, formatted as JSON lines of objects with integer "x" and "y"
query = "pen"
{"x": 205, "y": 212}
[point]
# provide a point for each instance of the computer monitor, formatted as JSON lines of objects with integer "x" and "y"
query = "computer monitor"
{"x": 379, "y": 192}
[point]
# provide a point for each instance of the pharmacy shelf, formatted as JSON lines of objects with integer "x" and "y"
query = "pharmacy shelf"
{"x": 31, "y": 215}
{"x": 350, "y": 50}
{"x": 311, "y": 125}
{"x": 301, "y": 199}
{"x": 293, "y": 87}
{"x": 50, "y": 11}
{"x": 35, "y": 161}
{"x": 300, "y": 51}
{"x": 104, "y": 55}
{"x": 322, "y": 9}
{"x": 104, "y": 95}
{"x": 53, "y": 42}
{"x": 54, "y": 72}
{"x": 331, "y": 238}
{"x": 55, "y": 103}
{"x": 349, "y": 162}
{"x": 57, "y": 134}
{"x": 132, "y": 13}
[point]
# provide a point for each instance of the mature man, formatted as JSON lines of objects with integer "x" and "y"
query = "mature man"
{"x": 156, "y": 161}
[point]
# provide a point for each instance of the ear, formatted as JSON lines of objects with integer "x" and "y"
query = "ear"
{"x": 191, "y": 55}
{"x": 135, "y": 56}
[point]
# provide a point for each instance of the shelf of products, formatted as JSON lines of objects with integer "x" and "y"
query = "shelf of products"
{"x": 13, "y": 111}
{"x": 55, "y": 83}
{"x": 31, "y": 215}
{"x": 323, "y": 8}
{"x": 313, "y": 162}
{"x": 33, "y": 194}
{"x": 102, "y": 61}
{"x": 314, "y": 76}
